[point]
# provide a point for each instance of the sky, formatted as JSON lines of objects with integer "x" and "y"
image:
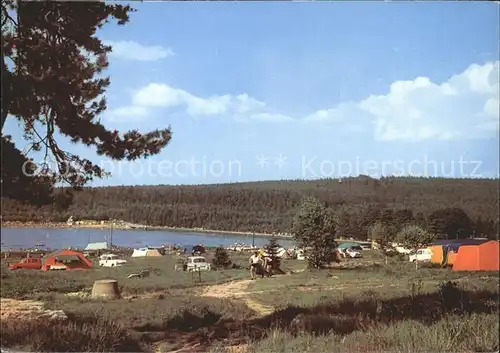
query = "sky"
{"x": 261, "y": 91}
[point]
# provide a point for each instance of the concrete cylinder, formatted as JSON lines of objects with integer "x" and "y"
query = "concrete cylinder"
{"x": 106, "y": 289}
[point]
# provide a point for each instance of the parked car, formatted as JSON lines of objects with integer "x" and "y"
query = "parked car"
{"x": 111, "y": 260}
{"x": 31, "y": 263}
{"x": 351, "y": 253}
{"x": 197, "y": 263}
{"x": 422, "y": 255}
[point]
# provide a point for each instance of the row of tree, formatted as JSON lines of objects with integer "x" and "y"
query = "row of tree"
{"x": 315, "y": 229}
{"x": 449, "y": 208}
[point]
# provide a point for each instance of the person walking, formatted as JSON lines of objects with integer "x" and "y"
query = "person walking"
{"x": 268, "y": 267}
{"x": 254, "y": 263}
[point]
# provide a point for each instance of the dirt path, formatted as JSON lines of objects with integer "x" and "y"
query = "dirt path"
{"x": 27, "y": 310}
{"x": 237, "y": 290}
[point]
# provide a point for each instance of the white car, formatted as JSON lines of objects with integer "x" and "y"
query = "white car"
{"x": 111, "y": 260}
{"x": 353, "y": 254}
{"x": 422, "y": 255}
{"x": 197, "y": 263}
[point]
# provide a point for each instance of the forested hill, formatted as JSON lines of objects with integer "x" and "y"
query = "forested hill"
{"x": 269, "y": 206}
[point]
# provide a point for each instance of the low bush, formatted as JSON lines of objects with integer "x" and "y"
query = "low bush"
{"x": 76, "y": 334}
{"x": 470, "y": 333}
{"x": 221, "y": 258}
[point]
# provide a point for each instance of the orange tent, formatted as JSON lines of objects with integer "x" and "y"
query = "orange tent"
{"x": 444, "y": 252}
{"x": 65, "y": 260}
{"x": 437, "y": 254}
{"x": 452, "y": 257}
{"x": 482, "y": 257}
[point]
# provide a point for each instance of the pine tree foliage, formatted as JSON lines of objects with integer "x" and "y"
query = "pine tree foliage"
{"x": 221, "y": 258}
{"x": 270, "y": 206}
{"x": 414, "y": 237}
{"x": 384, "y": 235}
{"x": 272, "y": 249}
{"x": 53, "y": 84}
{"x": 314, "y": 230}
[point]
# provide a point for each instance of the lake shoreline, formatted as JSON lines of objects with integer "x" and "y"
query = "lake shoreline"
{"x": 61, "y": 225}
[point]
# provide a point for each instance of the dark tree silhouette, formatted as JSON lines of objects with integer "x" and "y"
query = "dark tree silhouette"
{"x": 450, "y": 223}
{"x": 52, "y": 80}
{"x": 15, "y": 183}
{"x": 272, "y": 249}
{"x": 269, "y": 206}
{"x": 314, "y": 230}
{"x": 221, "y": 258}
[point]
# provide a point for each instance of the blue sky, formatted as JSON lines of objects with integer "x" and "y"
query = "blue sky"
{"x": 257, "y": 91}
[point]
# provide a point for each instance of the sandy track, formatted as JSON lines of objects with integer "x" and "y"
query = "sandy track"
{"x": 28, "y": 310}
{"x": 237, "y": 290}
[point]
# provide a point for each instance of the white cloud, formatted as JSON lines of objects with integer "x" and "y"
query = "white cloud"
{"x": 159, "y": 95}
{"x": 465, "y": 106}
{"x": 130, "y": 50}
{"x": 128, "y": 113}
{"x": 340, "y": 113}
{"x": 270, "y": 117}
{"x": 240, "y": 107}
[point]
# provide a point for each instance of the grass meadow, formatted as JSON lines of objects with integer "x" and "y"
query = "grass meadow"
{"x": 358, "y": 306}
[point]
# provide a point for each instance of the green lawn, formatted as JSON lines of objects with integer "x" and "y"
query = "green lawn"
{"x": 361, "y": 277}
{"x": 358, "y": 306}
{"x": 33, "y": 283}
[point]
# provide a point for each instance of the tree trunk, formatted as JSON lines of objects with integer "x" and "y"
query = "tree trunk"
{"x": 416, "y": 265}
{"x": 386, "y": 260}
{"x": 5, "y": 74}
{"x": 4, "y": 118}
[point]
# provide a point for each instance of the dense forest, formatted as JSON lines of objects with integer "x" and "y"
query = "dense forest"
{"x": 448, "y": 207}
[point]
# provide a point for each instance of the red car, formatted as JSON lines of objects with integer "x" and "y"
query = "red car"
{"x": 31, "y": 263}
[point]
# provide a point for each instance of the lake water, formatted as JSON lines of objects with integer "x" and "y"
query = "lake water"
{"x": 59, "y": 238}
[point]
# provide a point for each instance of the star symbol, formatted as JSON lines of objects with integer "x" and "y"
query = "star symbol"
{"x": 280, "y": 161}
{"x": 262, "y": 160}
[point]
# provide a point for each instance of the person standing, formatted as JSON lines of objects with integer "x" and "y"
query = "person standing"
{"x": 268, "y": 267}
{"x": 254, "y": 263}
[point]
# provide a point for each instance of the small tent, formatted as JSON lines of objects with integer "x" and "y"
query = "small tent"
{"x": 281, "y": 253}
{"x": 97, "y": 246}
{"x": 480, "y": 257}
{"x": 65, "y": 260}
{"x": 146, "y": 252}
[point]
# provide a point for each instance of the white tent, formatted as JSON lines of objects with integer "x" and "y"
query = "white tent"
{"x": 97, "y": 246}
{"x": 280, "y": 253}
{"x": 143, "y": 252}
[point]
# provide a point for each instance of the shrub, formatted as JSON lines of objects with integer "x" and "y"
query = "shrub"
{"x": 77, "y": 334}
{"x": 272, "y": 249}
{"x": 314, "y": 228}
{"x": 221, "y": 258}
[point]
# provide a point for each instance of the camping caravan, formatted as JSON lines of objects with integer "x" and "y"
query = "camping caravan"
{"x": 480, "y": 257}
{"x": 65, "y": 260}
{"x": 146, "y": 252}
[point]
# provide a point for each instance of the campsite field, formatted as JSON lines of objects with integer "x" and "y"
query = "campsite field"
{"x": 32, "y": 284}
{"x": 361, "y": 305}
